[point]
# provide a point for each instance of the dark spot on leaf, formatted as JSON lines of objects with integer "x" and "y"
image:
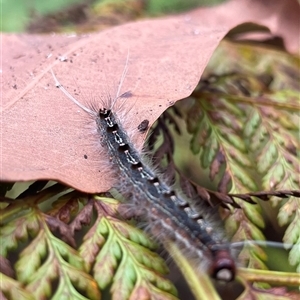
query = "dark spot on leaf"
{"x": 143, "y": 126}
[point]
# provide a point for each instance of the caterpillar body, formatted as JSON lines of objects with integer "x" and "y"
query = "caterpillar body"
{"x": 169, "y": 215}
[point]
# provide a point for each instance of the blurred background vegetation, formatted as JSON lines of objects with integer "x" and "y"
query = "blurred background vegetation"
{"x": 84, "y": 15}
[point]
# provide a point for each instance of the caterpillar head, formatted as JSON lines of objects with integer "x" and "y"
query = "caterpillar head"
{"x": 223, "y": 267}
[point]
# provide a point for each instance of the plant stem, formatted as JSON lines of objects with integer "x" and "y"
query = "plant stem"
{"x": 272, "y": 277}
{"x": 200, "y": 283}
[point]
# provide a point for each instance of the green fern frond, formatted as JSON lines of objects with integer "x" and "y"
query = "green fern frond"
{"x": 219, "y": 144}
{"x": 12, "y": 289}
{"x": 46, "y": 259}
{"x": 17, "y": 231}
{"x": 265, "y": 117}
{"x": 120, "y": 256}
{"x": 275, "y": 143}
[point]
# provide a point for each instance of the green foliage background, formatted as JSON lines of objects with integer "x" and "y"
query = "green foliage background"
{"x": 17, "y": 15}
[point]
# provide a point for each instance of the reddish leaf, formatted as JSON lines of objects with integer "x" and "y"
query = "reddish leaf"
{"x": 84, "y": 217}
{"x": 45, "y": 135}
{"x": 274, "y": 293}
{"x": 65, "y": 230}
{"x": 5, "y": 267}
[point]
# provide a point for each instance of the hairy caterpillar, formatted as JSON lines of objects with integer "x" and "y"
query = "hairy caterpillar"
{"x": 169, "y": 215}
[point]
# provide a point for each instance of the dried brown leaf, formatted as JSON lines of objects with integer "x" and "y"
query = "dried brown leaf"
{"x": 44, "y": 135}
